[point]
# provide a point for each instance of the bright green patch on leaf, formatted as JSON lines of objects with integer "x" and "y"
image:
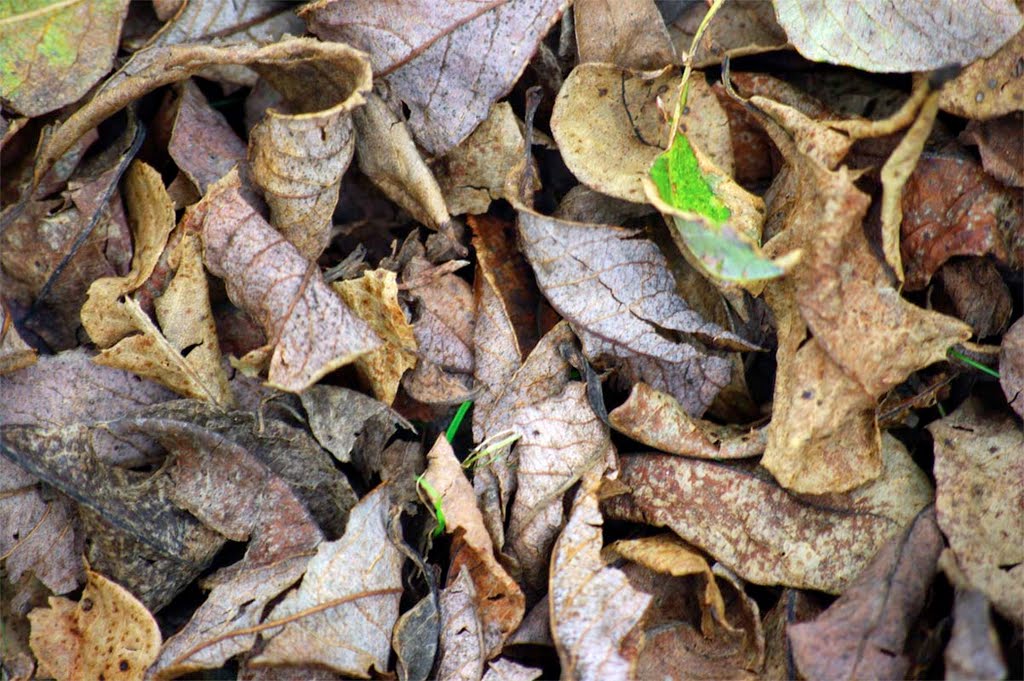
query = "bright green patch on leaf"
{"x": 681, "y": 184}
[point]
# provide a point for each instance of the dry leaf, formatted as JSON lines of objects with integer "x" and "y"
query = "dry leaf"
{"x": 973, "y": 648}
{"x": 452, "y": 61}
{"x": 347, "y": 423}
{"x": 202, "y": 143}
{"x": 989, "y": 87}
{"x": 462, "y": 648}
{"x": 504, "y": 669}
{"x": 659, "y": 421}
{"x": 1011, "y": 367}
{"x": 298, "y": 157}
{"x": 312, "y": 331}
{"x": 977, "y": 294}
{"x": 594, "y": 609}
{"x": 1000, "y": 143}
{"x": 645, "y": 330}
{"x": 374, "y": 298}
{"x": 610, "y": 126}
{"x": 415, "y": 638}
{"x": 888, "y": 39}
{"x": 632, "y": 35}
{"x": 363, "y": 570}
{"x": 738, "y": 29}
{"x": 862, "y": 635}
{"x": 15, "y": 353}
{"x": 108, "y": 634}
{"x": 979, "y": 463}
{"x": 497, "y": 599}
{"x": 388, "y": 156}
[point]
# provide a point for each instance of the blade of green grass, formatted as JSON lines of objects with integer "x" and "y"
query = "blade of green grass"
{"x": 972, "y": 363}
{"x": 453, "y": 427}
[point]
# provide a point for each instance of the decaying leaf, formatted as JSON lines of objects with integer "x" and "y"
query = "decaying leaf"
{"x": 461, "y": 654}
{"x": 977, "y": 294}
{"x": 632, "y": 35}
{"x": 202, "y": 143}
{"x": 452, "y": 61}
{"x": 108, "y": 634}
{"x": 504, "y": 669}
{"x": 1011, "y": 367}
{"x": 862, "y": 634}
{"x": 374, "y": 298}
{"x": 979, "y": 463}
{"x": 311, "y": 330}
{"x": 362, "y": 573}
{"x": 738, "y": 28}
{"x": 1000, "y": 143}
{"x": 989, "y": 87}
{"x": 658, "y": 420}
{"x": 15, "y": 353}
{"x": 55, "y": 52}
{"x": 415, "y": 639}
{"x": 888, "y": 39}
{"x": 973, "y": 648}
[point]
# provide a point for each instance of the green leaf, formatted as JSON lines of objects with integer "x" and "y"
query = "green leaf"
{"x": 682, "y": 185}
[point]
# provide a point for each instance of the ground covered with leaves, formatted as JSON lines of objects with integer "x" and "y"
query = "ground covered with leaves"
{"x": 512, "y": 340}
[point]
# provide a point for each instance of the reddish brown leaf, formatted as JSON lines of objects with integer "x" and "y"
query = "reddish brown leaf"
{"x": 1001, "y": 144}
{"x": 202, "y": 143}
{"x": 1011, "y": 366}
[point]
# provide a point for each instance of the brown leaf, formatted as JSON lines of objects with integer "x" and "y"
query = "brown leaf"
{"x": 15, "y": 353}
{"x": 415, "y": 638}
{"x": 644, "y": 330}
{"x": 760, "y": 531}
{"x": 977, "y": 294}
{"x": 374, "y": 298}
{"x": 56, "y": 52}
{"x": 862, "y": 634}
{"x": 594, "y": 609}
{"x": 461, "y": 650}
{"x": 312, "y": 331}
{"x": 739, "y": 29}
{"x": 609, "y": 126}
{"x": 979, "y": 463}
{"x": 973, "y": 648}
{"x": 1011, "y": 366}
{"x": 299, "y": 156}
{"x": 202, "y": 143}
{"x": 658, "y": 420}
{"x": 497, "y": 599}
{"x": 452, "y": 62}
{"x": 108, "y": 634}
{"x": 364, "y": 567}
{"x": 504, "y": 669}
{"x": 989, "y": 87}
{"x": 631, "y": 35}
{"x": 1000, "y": 142}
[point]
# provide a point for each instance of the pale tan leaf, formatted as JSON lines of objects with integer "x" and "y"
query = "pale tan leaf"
{"x": 504, "y": 669}
{"x": 738, "y": 29}
{"x": 1011, "y": 366}
{"x": 896, "y": 39}
{"x": 299, "y": 156}
{"x": 461, "y": 650}
{"x": 448, "y": 63}
{"x": 989, "y": 87}
{"x": 312, "y": 331}
{"x": 107, "y": 634}
{"x": 364, "y": 567}
{"x": 374, "y": 299}
{"x": 628, "y": 34}
{"x": 388, "y": 156}
{"x": 15, "y": 353}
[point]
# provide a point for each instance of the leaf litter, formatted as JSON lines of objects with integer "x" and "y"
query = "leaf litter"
{"x": 513, "y": 339}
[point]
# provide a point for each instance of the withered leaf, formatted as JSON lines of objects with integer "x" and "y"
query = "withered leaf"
{"x": 989, "y": 87}
{"x": 593, "y": 606}
{"x": 452, "y": 61}
{"x": 354, "y": 635}
{"x": 740, "y": 28}
{"x": 973, "y": 648}
{"x": 632, "y": 35}
{"x": 415, "y": 639}
{"x": 108, "y": 634}
{"x": 312, "y": 331}
{"x": 504, "y": 669}
{"x": 862, "y": 634}
{"x": 1011, "y": 366}
{"x": 1000, "y": 143}
{"x": 344, "y": 421}
{"x": 979, "y": 462}
{"x": 202, "y": 143}
{"x": 15, "y": 353}
{"x": 978, "y": 295}
{"x": 262, "y": 21}
{"x": 615, "y": 289}
{"x": 461, "y": 654}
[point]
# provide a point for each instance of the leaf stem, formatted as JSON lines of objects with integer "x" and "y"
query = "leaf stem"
{"x": 684, "y": 83}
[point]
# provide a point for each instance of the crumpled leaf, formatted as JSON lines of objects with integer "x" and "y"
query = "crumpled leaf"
{"x": 862, "y": 635}
{"x": 202, "y": 143}
{"x": 889, "y": 39}
{"x": 374, "y": 298}
{"x": 15, "y": 353}
{"x": 345, "y": 421}
{"x": 55, "y": 52}
{"x": 497, "y": 599}
{"x": 973, "y": 648}
{"x": 989, "y": 87}
{"x": 979, "y": 463}
{"x": 1000, "y": 143}
{"x": 657, "y": 420}
{"x": 461, "y": 650}
{"x": 504, "y": 669}
{"x": 760, "y": 531}
{"x": 594, "y": 609}
{"x": 311, "y": 331}
{"x": 609, "y": 127}
{"x": 1011, "y": 366}
{"x": 632, "y": 35}
{"x": 452, "y": 61}
{"x": 108, "y": 634}
{"x": 298, "y": 157}
{"x": 388, "y": 156}
{"x": 646, "y": 331}
{"x": 365, "y": 569}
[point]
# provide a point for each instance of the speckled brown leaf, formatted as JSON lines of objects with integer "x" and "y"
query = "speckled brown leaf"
{"x": 498, "y": 601}
{"x": 989, "y": 87}
{"x": 862, "y": 635}
{"x": 1000, "y": 143}
{"x": 355, "y": 635}
{"x": 55, "y": 52}
{"x": 202, "y": 143}
{"x": 756, "y": 528}
{"x": 979, "y": 463}
{"x": 388, "y": 156}
{"x": 298, "y": 157}
{"x": 1011, "y": 366}
{"x": 614, "y": 287}
{"x": 15, "y": 353}
{"x": 108, "y": 634}
{"x": 973, "y": 648}
{"x": 374, "y": 298}
{"x": 312, "y": 331}
{"x": 657, "y": 420}
{"x": 447, "y": 63}
{"x": 890, "y": 39}
{"x": 594, "y": 609}
{"x": 609, "y": 127}
{"x": 739, "y": 28}
{"x": 628, "y": 34}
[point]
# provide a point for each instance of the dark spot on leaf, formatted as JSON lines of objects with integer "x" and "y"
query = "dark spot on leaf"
{"x": 86, "y": 604}
{"x": 123, "y": 665}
